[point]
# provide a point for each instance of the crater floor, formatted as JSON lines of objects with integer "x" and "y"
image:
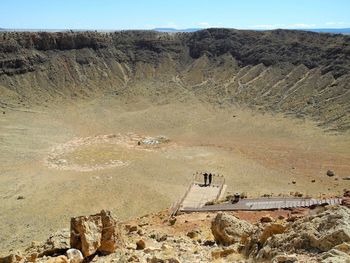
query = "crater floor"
{"x": 73, "y": 159}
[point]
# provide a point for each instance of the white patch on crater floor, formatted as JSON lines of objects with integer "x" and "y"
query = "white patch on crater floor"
{"x": 100, "y": 152}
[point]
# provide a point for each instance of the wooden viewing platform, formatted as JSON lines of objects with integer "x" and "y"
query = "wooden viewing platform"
{"x": 197, "y": 194}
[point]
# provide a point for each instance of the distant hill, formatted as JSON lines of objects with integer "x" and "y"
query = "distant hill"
{"x": 168, "y": 29}
{"x": 330, "y": 30}
{"x": 318, "y": 30}
{"x": 175, "y": 30}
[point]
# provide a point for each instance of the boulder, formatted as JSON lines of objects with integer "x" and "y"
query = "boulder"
{"x": 57, "y": 243}
{"x": 344, "y": 247}
{"x": 140, "y": 244}
{"x": 86, "y": 234}
{"x": 93, "y": 233}
{"x": 13, "y": 258}
{"x": 228, "y": 229}
{"x": 193, "y": 233}
{"x": 111, "y": 235}
{"x": 317, "y": 233}
{"x": 346, "y": 202}
{"x": 266, "y": 219}
{"x": 74, "y": 255}
{"x": 270, "y": 230}
{"x": 334, "y": 256}
{"x": 264, "y": 253}
{"x": 32, "y": 256}
{"x": 330, "y": 173}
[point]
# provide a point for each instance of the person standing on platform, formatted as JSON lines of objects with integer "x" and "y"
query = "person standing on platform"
{"x": 205, "y": 178}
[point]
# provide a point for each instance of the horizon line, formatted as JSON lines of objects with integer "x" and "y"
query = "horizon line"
{"x": 173, "y": 28}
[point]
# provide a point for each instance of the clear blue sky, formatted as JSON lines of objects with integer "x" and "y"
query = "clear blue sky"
{"x": 147, "y": 14}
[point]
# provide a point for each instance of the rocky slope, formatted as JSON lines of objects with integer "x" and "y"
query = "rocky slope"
{"x": 318, "y": 235}
{"x": 295, "y": 72}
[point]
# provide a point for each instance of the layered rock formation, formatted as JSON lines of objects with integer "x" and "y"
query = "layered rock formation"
{"x": 299, "y": 73}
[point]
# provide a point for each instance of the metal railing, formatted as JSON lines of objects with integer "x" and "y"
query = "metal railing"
{"x": 217, "y": 179}
{"x": 220, "y": 190}
{"x": 176, "y": 206}
{"x": 198, "y": 178}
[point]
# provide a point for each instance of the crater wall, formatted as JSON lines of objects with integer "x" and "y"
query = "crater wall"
{"x": 300, "y": 73}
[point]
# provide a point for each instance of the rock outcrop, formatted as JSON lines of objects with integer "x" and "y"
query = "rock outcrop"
{"x": 12, "y": 258}
{"x": 327, "y": 232}
{"x": 321, "y": 237}
{"x": 57, "y": 243}
{"x": 94, "y": 233}
{"x": 228, "y": 229}
{"x": 335, "y": 256}
{"x": 269, "y": 231}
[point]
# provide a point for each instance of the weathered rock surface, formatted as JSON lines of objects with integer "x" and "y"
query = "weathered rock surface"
{"x": 318, "y": 233}
{"x": 12, "y": 258}
{"x": 270, "y": 230}
{"x": 111, "y": 238}
{"x": 330, "y": 173}
{"x": 94, "y": 233}
{"x": 141, "y": 244}
{"x": 86, "y": 234}
{"x": 266, "y": 219}
{"x": 228, "y": 229}
{"x": 335, "y": 256}
{"x": 57, "y": 243}
{"x": 344, "y": 247}
{"x": 161, "y": 260}
{"x": 74, "y": 255}
{"x": 222, "y": 253}
{"x": 320, "y": 237}
{"x": 284, "y": 259}
{"x": 58, "y": 259}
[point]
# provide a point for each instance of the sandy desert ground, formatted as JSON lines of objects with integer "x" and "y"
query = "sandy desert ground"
{"x": 71, "y": 159}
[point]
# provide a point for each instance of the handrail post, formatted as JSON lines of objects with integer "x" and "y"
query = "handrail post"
{"x": 180, "y": 201}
